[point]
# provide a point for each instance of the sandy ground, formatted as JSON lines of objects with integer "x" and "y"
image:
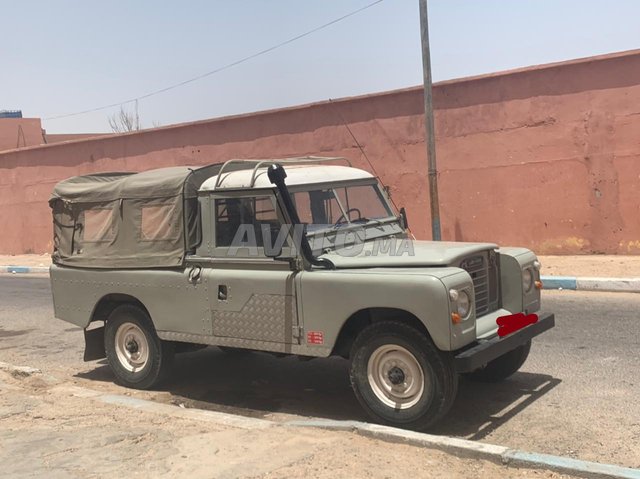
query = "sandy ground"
{"x": 604, "y": 266}
{"x": 46, "y": 431}
{"x": 25, "y": 260}
{"x": 608, "y": 266}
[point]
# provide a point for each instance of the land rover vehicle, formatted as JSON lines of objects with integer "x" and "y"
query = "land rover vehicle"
{"x": 297, "y": 256}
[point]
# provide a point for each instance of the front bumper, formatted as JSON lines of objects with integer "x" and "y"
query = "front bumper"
{"x": 489, "y": 349}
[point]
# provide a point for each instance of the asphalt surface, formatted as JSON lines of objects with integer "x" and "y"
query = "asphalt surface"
{"x": 577, "y": 395}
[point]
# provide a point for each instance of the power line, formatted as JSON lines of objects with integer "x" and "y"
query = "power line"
{"x": 220, "y": 69}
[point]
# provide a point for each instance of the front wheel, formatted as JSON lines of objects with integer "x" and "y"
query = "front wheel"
{"x": 137, "y": 356}
{"x": 400, "y": 378}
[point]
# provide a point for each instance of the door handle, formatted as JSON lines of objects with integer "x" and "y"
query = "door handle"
{"x": 222, "y": 292}
{"x": 194, "y": 274}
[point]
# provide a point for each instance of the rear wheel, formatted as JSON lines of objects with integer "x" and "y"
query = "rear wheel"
{"x": 400, "y": 378}
{"x": 137, "y": 356}
{"x": 504, "y": 366}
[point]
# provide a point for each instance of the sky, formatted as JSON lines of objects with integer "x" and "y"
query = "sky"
{"x": 65, "y": 56}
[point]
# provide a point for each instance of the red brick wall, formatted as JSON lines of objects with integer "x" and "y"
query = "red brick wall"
{"x": 545, "y": 157}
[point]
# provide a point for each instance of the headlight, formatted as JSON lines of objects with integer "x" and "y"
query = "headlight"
{"x": 464, "y": 304}
{"x": 461, "y": 305}
{"x": 527, "y": 279}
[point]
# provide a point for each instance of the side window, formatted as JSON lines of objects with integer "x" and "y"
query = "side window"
{"x": 241, "y": 222}
{"x": 159, "y": 222}
{"x": 317, "y": 207}
{"x": 97, "y": 225}
{"x": 364, "y": 201}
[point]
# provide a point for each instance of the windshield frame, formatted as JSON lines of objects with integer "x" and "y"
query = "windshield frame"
{"x": 348, "y": 224}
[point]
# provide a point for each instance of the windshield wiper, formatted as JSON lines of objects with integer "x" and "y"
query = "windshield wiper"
{"x": 367, "y": 220}
{"x": 339, "y": 225}
{"x": 359, "y": 220}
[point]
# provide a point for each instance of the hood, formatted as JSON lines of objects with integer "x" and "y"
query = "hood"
{"x": 405, "y": 253}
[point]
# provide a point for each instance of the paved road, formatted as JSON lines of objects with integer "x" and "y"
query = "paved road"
{"x": 577, "y": 395}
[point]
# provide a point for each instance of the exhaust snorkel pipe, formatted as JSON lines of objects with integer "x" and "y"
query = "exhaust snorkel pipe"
{"x": 277, "y": 175}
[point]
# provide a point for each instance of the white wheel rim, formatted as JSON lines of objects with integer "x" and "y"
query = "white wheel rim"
{"x": 395, "y": 376}
{"x": 132, "y": 347}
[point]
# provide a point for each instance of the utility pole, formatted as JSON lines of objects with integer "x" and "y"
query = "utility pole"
{"x": 429, "y": 124}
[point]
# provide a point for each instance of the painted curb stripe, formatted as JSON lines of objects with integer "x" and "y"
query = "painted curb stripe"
{"x": 566, "y": 464}
{"x": 457, "y": 446}
{"x": 559, "y": 282}
{"x": 625, "y": 285}
{"x": 26, "y": 269}
{"x": 18, "y": 269}
{"x": 476, "y": 450}
{"x": 453, "y": 445}
{"x": 225, "y": 419}
{"x": 631, "y": 285}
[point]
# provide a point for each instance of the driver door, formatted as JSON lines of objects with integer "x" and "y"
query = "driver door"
{"x": 253, "y": 296}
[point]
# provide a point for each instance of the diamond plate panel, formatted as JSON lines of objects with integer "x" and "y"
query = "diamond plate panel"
{"x": 265, "y": 317}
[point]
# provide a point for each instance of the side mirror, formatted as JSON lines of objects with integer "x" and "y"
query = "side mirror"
{"x": 404, "y": 223}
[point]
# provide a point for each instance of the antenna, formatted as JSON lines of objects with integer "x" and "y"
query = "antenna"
{"x": 346, "y": 125}
{"x": 344, "y": 122}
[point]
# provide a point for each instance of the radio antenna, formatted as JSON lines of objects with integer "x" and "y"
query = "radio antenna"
{"x": 346, "y": 125}
{"x": 364, "y": 153}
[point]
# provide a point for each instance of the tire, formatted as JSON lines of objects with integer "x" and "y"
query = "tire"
{"x": 389, "y": 362}
{"x": 137, "y": 356}
{"x": 502, "y": 367}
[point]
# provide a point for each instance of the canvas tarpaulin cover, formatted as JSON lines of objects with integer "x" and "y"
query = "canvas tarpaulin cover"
{"x": 128, "y": 220}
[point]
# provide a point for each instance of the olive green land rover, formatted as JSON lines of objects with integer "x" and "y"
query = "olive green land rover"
{"x": 302, "y": 256}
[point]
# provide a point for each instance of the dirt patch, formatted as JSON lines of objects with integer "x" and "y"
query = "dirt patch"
{"x": 603, "y": 266}
{"x": 9, "y": 333}
{"x": 46, "y": 432}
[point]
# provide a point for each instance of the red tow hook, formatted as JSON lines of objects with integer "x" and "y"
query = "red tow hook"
{"x": 514, "y": 322}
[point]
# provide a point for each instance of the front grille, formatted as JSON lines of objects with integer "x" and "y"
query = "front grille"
{"x": 484, "y": 271}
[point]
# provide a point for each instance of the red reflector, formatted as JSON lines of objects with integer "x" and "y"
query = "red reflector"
{"x": 514, "y": 322}
{"x": 315, "y": 337}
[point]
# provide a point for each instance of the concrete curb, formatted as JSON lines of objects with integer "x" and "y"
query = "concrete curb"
{"x": 622, "y": 285}
{"x": 452, "y": 445}
{"x": 231, "y": 420}
{"x": 478, "y": 450}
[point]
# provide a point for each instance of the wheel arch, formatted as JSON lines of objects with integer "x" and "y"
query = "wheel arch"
{"x": 94, "y": 336}
{"x": 105, "y": 306}
{"x": 364, "y": 317}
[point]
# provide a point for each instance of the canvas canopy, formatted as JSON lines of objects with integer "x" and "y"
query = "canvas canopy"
{"x": 128, "y": 220}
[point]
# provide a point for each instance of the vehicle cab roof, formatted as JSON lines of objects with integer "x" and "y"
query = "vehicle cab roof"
{"x": 296, "y": 175}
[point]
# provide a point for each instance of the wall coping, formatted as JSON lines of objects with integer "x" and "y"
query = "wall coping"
{"x": 351, "y": 99}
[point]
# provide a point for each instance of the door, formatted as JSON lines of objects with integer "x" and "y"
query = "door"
{"x": 252, "y": 296}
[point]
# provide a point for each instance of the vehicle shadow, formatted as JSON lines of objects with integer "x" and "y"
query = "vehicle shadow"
{"x": 260, "y": 384}
{"x": 481, "y": 408}
{"x": 256, "y": 384}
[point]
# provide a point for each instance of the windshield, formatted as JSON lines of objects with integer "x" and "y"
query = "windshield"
{"x": 329, "y": 208}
